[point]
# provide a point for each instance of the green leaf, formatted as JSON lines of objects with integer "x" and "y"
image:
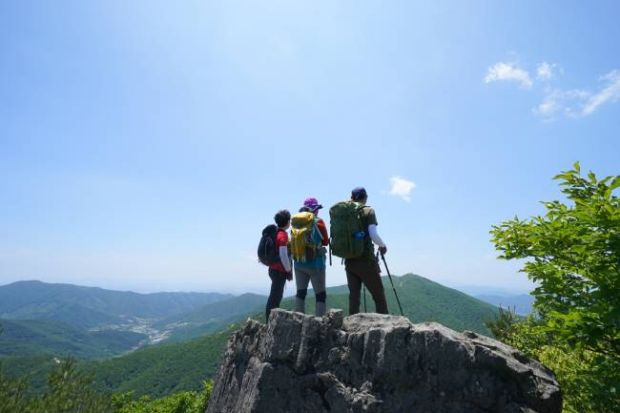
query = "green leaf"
{"x": 615, "y": 183}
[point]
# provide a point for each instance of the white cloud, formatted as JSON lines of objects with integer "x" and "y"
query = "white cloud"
{"x": 549, "y": 106}
{"x": 578, "y": 102}
{"x": 571, "y": 103}
{"x": 508, "y": 72}
{"x": 558, "y": 101}
{"x": 610, "y": 93}
{"x": 401, "y": 187}
{"x": 544, "y": 71}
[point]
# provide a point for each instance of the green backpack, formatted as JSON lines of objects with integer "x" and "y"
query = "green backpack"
{"x": 347, "y": 229}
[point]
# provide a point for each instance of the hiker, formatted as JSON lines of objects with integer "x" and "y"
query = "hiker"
{"x": 361, "y": 265}
{"x": 309, "y": 239}
{"x": 279, "y": 271}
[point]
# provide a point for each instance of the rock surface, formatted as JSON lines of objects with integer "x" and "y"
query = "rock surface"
{"x": 375, "y": 363}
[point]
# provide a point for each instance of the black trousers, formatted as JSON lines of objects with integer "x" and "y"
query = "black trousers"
{"x": 278, "y": 280}
{"x": 365, "y": 271}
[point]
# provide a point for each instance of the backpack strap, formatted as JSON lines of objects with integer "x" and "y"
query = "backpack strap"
{"x": 315, "y": 227}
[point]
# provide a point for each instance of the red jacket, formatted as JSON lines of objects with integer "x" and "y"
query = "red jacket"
{"x": 323, "y": 230}
{"x": 281, "y": 241}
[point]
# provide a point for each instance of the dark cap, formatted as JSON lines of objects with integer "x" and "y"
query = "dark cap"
{"x": 358, "y": 193}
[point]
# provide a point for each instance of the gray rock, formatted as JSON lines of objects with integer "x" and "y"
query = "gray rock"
{"x": 375, "y": 363}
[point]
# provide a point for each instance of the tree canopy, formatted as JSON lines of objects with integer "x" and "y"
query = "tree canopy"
{"x": 572, "y": 253}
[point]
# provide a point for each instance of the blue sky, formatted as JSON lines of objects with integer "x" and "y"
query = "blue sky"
{"x": 144, "y": 145}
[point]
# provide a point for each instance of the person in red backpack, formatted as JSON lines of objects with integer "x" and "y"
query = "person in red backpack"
{"x": 280, "y": 271}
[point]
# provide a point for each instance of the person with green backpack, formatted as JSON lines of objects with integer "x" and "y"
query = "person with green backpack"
{"x": 353, "y": 232}
{"x": 308, "y": 241}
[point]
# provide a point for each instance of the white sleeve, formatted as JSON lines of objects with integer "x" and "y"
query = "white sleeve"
{"x": 286, "y": 261}
{"x": 374, "y": 236}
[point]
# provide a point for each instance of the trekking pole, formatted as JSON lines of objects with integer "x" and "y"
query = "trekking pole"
{"x": 364, "y": 294}
{"x": 392, "y": 282}
{"x": 330, "y": 252}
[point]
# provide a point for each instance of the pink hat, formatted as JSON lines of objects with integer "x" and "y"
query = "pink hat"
{"x": 312, "y": 204}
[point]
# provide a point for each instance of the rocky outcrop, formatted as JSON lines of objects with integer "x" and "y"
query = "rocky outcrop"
{"x": 375, "y": 363}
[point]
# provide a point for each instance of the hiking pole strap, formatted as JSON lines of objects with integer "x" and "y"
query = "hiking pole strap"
{"x": 392, "y": 282}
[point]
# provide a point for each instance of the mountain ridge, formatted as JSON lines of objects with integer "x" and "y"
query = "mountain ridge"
{"x": 152, "y": 369}
{"x": 36, "y": 337}
{"x": 90, "y": 307}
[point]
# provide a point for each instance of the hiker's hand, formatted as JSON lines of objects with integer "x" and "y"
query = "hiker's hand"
{"x": 383, "y": 250}
{"x": 289, "y": 276}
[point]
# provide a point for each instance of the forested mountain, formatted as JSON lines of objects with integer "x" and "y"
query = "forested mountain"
{"x": 153, "y": 370}
{"x": 160, "y": 369}
{"x": 422, "y": 300}
{"x": 89, "y": 307}
{"x": 35, "y": 337}
{"x": 211, "y": 317}
{"x": 425, "y": 300}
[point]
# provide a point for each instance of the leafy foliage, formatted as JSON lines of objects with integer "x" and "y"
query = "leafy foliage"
{"x": 182, "y": 402}
{"x": 13, "y": 395}
{"x": 68, "y": 391}
{"x": 589, "y": 381}
{"x": 573, "y": 254}
{"x": 33, "y": 369}
{"x": 502, "y": 326}
{"x": 71, "y": 391}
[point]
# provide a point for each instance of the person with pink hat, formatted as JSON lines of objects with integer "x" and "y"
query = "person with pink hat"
{"x": 313, "y": 270}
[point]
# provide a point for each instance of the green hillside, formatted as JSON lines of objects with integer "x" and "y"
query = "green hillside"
{"x": 155, "y": 370}
{"x": 35, "y": 368}
{"x": 211, "y": 317}
{"x": 163, "y": 369}
{"x": 422, "y": 300}
{"x": 34, "y": 337}
{"x": 88, "y": 307}
{"x": 425, "y": 300}
{"x": 166, "y": 368}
